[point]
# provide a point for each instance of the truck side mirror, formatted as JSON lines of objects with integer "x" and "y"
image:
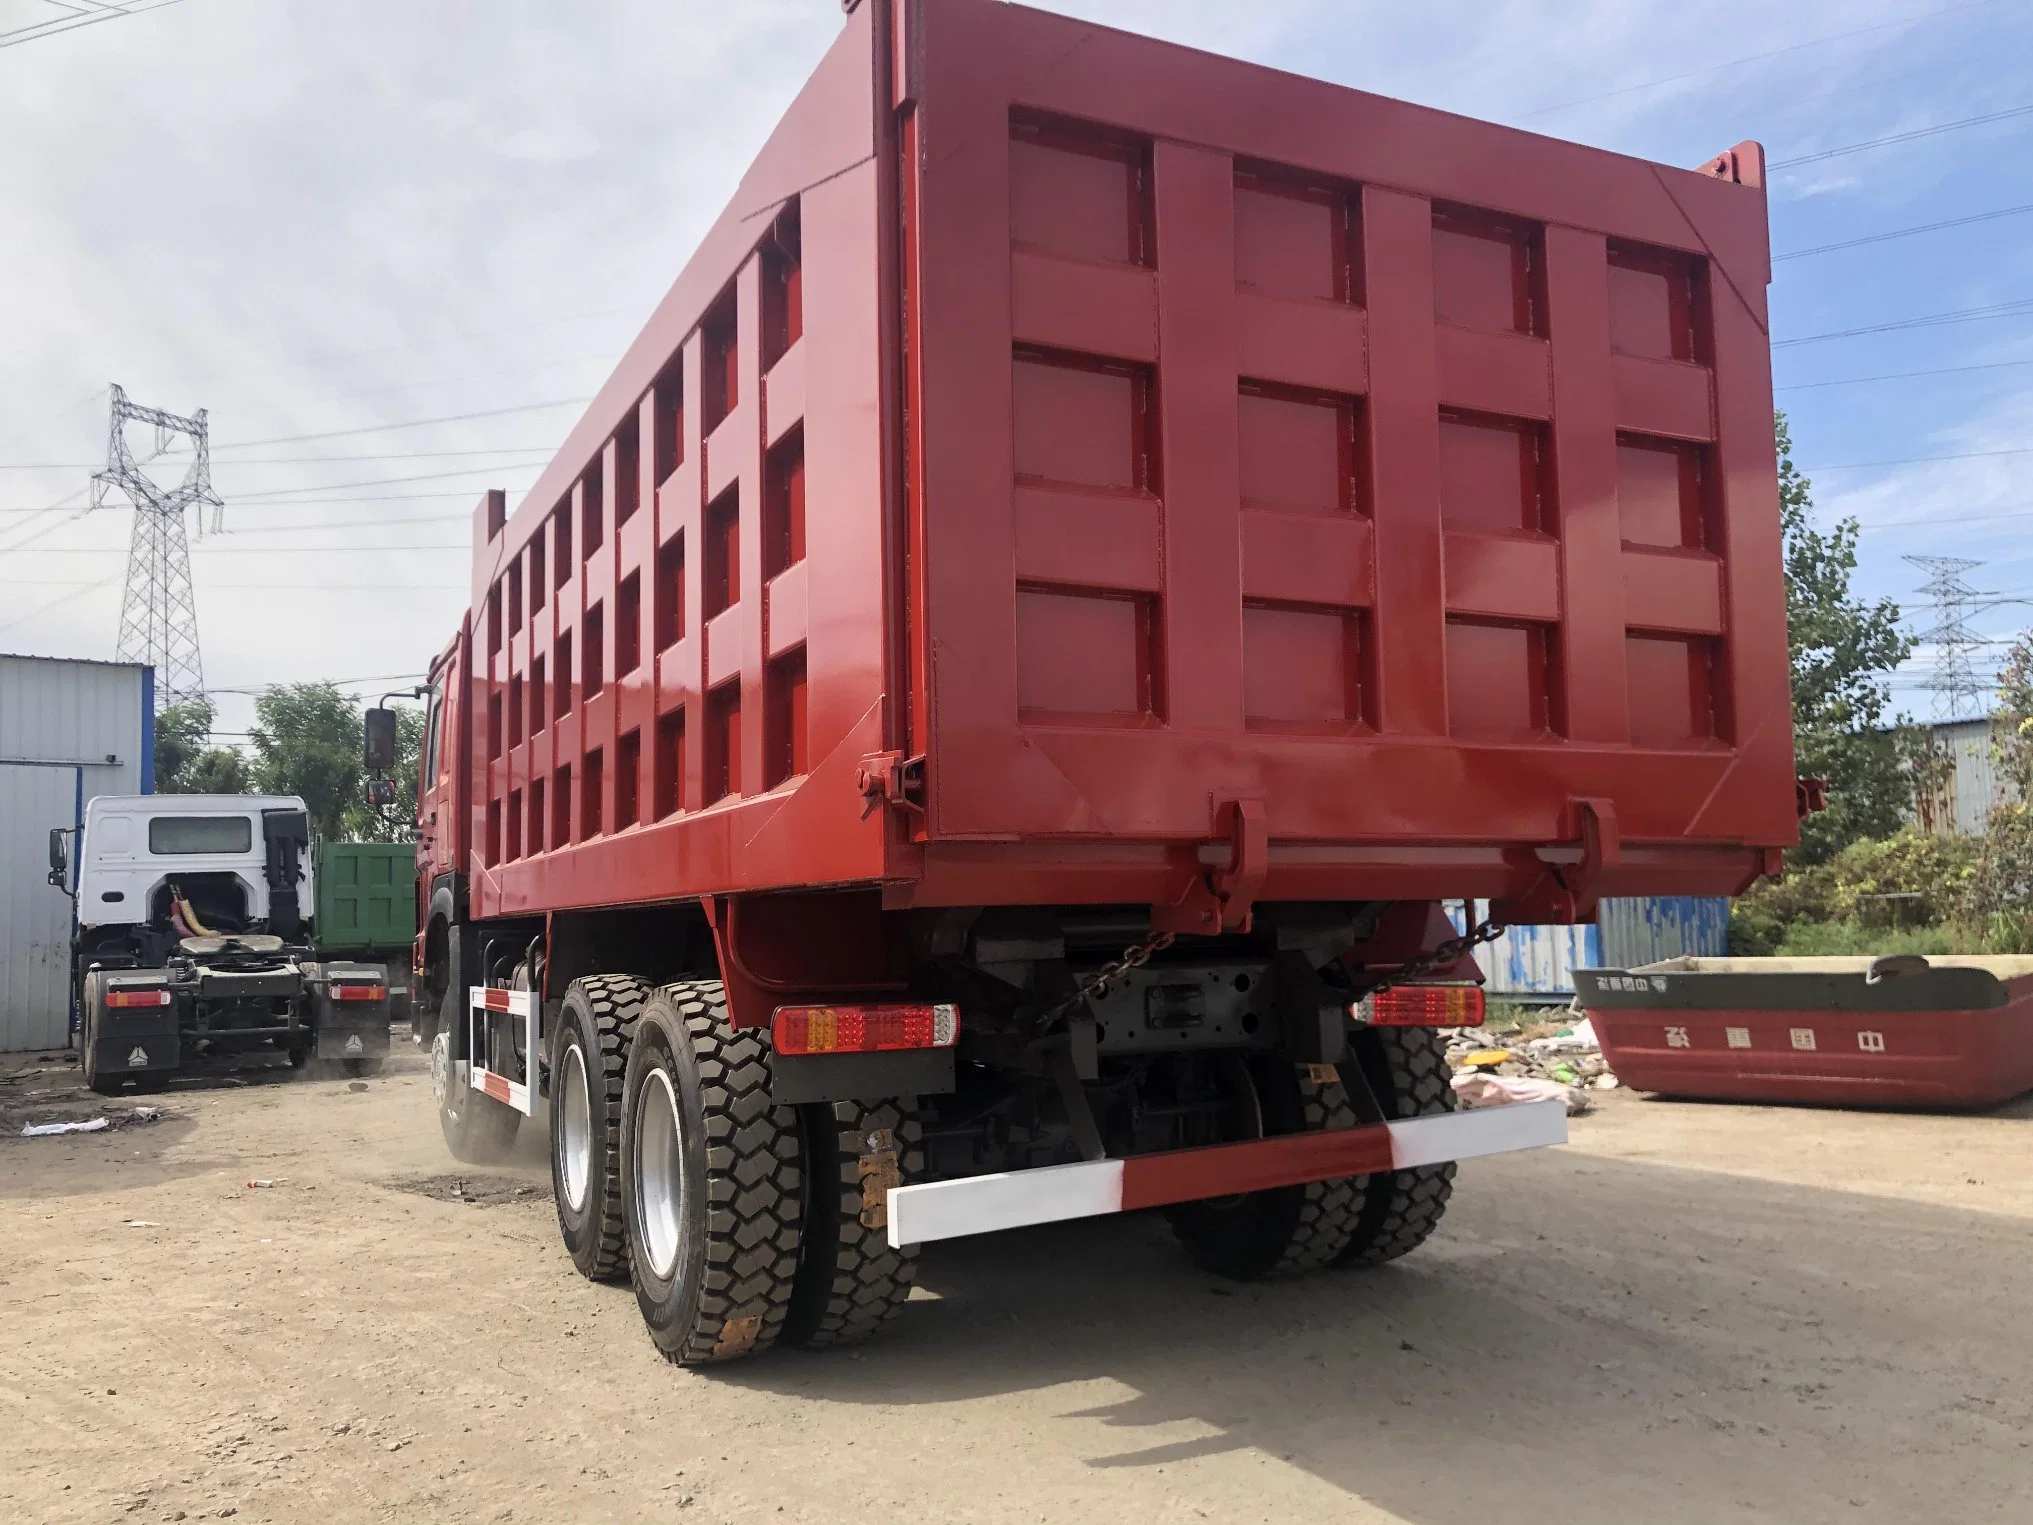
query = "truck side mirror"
{"x": 59, "y": 858}
{"x": 381, "y": 792}
{"x": 377, "y": 750}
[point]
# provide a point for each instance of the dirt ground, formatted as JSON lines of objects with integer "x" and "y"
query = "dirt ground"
{"x": 1693, "y": 1313}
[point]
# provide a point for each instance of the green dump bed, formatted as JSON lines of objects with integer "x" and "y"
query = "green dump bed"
{"x": 366, "y": 897}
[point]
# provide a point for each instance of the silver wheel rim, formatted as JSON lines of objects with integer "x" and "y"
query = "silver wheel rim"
{"x": 441, "y": 1070}
{"x": 575, "y": 1130}
{"x": 659, "y": 1174}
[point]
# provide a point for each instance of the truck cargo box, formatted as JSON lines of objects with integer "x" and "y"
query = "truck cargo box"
{"x": 1074, "y": 467}
{"x": 1901, "y": 1031}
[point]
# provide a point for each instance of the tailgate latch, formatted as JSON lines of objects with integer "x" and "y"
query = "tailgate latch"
{"x": 1220, "y": 898}
{"x": 890, "y": 778}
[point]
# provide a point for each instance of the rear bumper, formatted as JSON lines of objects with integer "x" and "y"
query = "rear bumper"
{"x": 1016, "y": 1199}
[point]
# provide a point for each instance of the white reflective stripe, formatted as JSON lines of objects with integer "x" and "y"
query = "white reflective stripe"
{"x": 1486, "y": 1130}
{"x": 1053, "y": 1193}
{"x": 1013, "y": 1199}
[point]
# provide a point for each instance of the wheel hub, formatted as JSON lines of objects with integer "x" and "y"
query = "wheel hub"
{"x": 575, "y": 1130}
{"x": 659, "y": 1174}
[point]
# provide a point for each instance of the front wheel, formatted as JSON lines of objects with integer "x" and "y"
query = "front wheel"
{"x": 711, "y": 1177}
{"x": 478, "y": 1129}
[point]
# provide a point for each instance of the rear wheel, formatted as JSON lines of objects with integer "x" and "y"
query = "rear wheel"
{"x": 478, "y": 1129}
{"x": 711, "y": 1177}
{"x": 850, "y": 1282}
{"x": 1290, "y": 1228}
{"x": 589, "y": 1061}
{"x": 1407, "y": 1071}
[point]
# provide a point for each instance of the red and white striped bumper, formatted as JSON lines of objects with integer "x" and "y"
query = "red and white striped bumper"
{"x": 983, "y": 1204}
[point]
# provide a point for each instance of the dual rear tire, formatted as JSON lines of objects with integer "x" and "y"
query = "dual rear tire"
{"x": 739, "y": 1221}
{"x": 1355, "y": 1221}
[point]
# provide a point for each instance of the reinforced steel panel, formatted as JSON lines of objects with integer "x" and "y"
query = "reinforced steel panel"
{"x": 1492, "y": 631}
{"x": 1209, "y": 434}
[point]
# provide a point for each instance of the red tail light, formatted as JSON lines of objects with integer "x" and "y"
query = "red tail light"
{"x": 356, "y": 992}
{"x": 804, "y": 1030}
{"x": 1422, "y": 1006}
{"x": 137, "y": 998}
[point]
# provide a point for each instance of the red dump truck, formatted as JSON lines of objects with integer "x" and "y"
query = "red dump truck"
{"x": 975, "y": 724}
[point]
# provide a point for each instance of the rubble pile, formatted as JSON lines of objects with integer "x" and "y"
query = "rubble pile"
{"x": 1540, "y": 1062}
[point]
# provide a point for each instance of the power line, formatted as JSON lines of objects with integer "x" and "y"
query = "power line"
{"x": 308, "y": 460}
{"x": 79, "y": 13}
{"x": 1900, "y": 137}
{"x": 1752, "y": 58}
{"x": 1925, "y": 227}
{"x": 414, "y": 423}
{"x": 1853, "y": 381}
{"x": 214, "y": 549}
{"x": 1915, "y": 460}
{"x": 2018, "y": 308}
{"x": 2011, "y": 511}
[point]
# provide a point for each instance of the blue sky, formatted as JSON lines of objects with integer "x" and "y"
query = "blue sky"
{"x": 313, "y": 218}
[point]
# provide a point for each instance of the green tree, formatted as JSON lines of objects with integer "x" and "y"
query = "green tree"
{"x": 1843, "y": 648}
{"x": 218, "y": 770}
{"x": 184, "y": 764}
{"x": 307, "y": 742}
{"x": 181, "y": 732}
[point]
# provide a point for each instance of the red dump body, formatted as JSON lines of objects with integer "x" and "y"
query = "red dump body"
{"x": 1075, "y": 465}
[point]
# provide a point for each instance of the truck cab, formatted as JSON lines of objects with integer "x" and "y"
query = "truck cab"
{"x": 194, "y": 939}
{"x": 239, "y": 863}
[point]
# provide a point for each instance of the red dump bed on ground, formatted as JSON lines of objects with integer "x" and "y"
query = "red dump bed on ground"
{"x": 1072, "y": 459}
{"x": 1955, "y": 1032}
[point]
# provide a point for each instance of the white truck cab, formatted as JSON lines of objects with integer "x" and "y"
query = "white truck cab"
{"x": 194, "y": 939}
{"x": 218, "y": 853}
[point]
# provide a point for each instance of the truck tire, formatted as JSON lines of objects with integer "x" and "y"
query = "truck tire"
{"x": 589, "y": 1062}
{"x": 478, "y": 1129}
{"x": 712, "y": 1180}
{"x": 850, "y": 1282}
{"x": 1407, "y": 1070}
{"x": 92, "y": 1003}
{"x": 1288, "y": 1229}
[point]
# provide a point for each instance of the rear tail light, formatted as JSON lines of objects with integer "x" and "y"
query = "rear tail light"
{"x": 357, "y": 992}
{"x": 863, "y": 1029}
{"x": 137, "y": 998}
{"x": 1422, "y": 1006}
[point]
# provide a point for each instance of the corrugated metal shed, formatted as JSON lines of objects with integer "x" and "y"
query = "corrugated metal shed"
{"x": 1962, "y": 805}
{"x": 68, "y": 731}
{"x": 1539, "y": 962}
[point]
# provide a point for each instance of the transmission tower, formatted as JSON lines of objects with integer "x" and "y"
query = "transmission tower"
{"x": 1958, "y": 695}
{"x": 159, "y": 614}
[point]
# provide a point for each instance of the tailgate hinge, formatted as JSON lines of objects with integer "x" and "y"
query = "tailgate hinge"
{"x": 1560, "y": 896}
{"x": 890, "y": 778}
{"x": 1220, "y": 900}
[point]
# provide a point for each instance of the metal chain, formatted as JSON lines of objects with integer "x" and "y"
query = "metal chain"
{"x": 1439, "y": 958}
{"x": 1133, "y": 957}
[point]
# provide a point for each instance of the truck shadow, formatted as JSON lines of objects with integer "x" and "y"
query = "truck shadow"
{"x": 1592, "y": 1341}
